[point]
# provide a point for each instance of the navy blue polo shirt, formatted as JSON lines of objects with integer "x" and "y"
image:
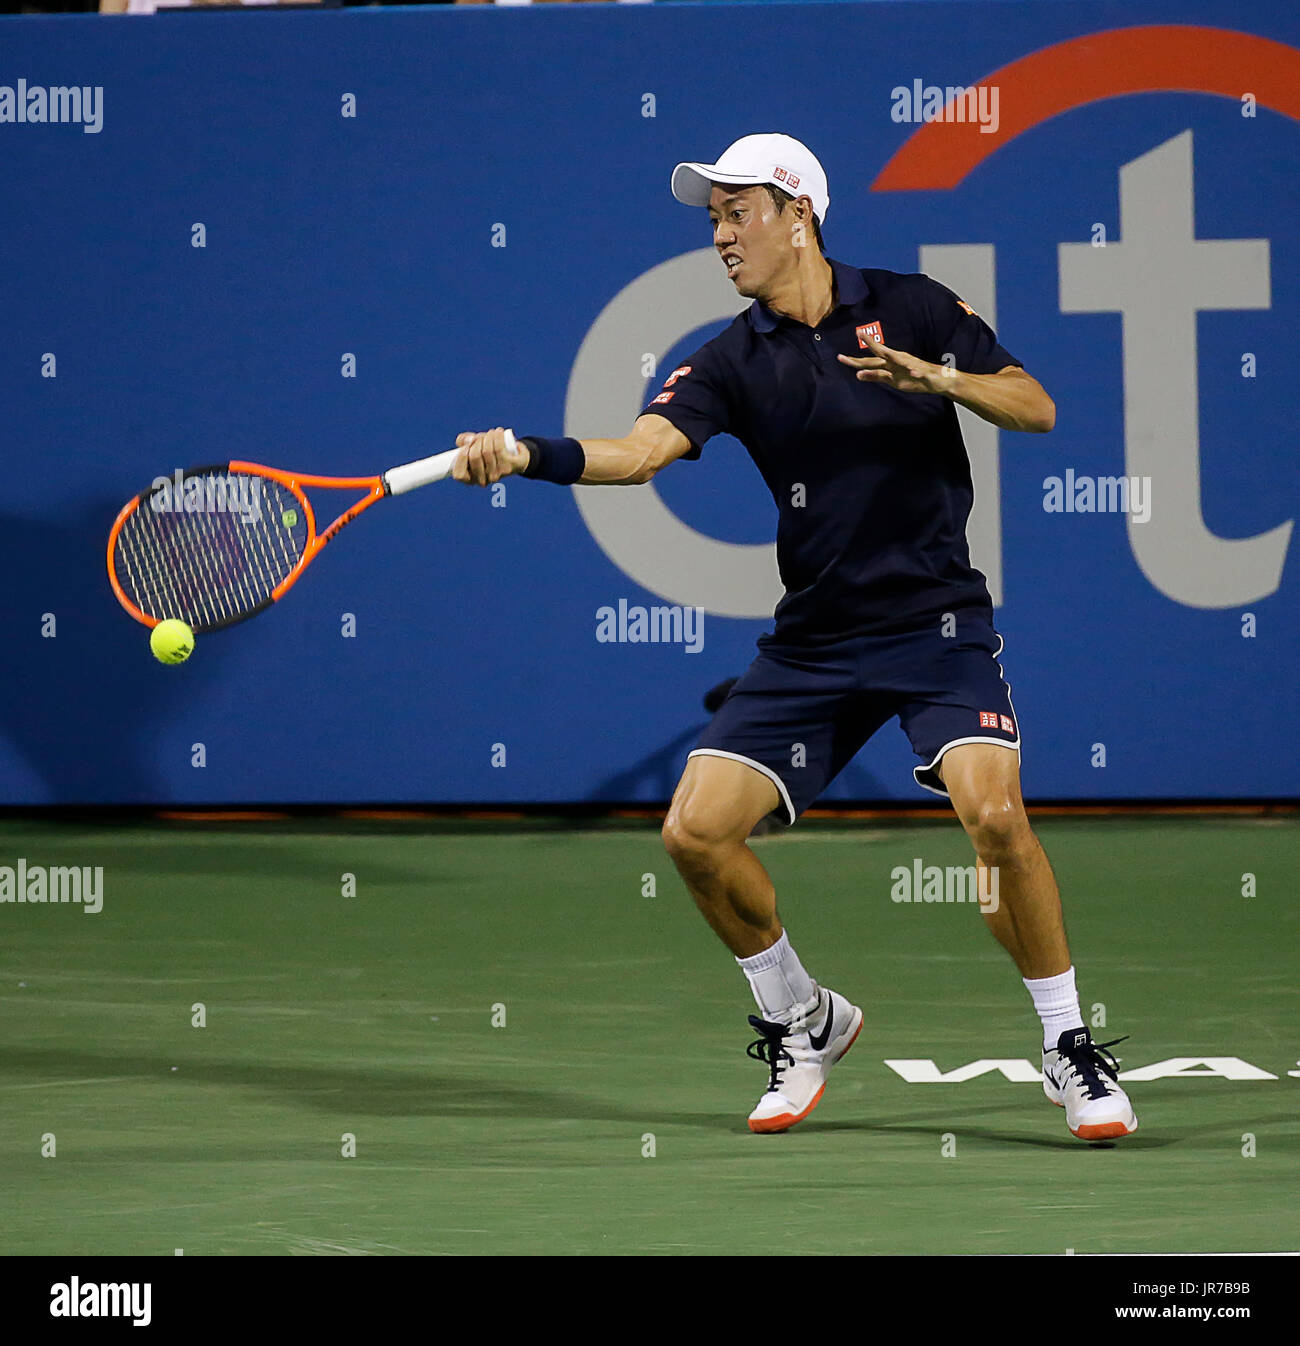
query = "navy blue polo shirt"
{"x": 872, "y": 486}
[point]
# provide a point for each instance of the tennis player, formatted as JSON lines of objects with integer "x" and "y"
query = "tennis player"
{"x": 843, "y": 385}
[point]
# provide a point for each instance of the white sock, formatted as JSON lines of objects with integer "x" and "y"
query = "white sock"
{"x": 778, "y": 981}
{"x": 1057, "y": 1003}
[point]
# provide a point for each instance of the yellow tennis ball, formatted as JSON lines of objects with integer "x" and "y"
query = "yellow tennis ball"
{"x": 171, "y": 641}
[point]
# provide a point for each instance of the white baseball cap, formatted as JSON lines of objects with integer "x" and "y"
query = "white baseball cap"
{"x": 752, "y": 161}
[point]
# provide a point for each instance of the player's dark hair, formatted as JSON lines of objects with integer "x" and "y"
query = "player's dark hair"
{"x": 780, "y": 198}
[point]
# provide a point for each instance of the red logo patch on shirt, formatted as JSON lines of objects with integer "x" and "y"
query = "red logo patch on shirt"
{"x": 675, "y": 375}
{"x": 968, "y": 308}
{"x": 663, "y": 397}
{"x": 871, "y": 330}
{"x": 988, "y": 719}
{"x": 1008, "y": 727}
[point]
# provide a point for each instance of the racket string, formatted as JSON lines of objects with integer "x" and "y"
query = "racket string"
{"x": 150, "y": 579}
{"x": 180, "y": 570}
{"x": 268, "y": 563}
{"x": 209, "y": 564}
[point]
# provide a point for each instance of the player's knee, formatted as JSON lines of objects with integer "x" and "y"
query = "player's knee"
{"x": 684, "y": 843}
{"x": 999, "y": 829}
{"x": 693, "y": 838}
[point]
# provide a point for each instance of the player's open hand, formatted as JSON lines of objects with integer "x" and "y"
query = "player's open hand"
{"x": 485, "y": 457}
{"x": 898, "y": 369}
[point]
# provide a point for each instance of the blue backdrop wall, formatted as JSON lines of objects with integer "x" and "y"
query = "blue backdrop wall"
{"x": 492, "y": 238}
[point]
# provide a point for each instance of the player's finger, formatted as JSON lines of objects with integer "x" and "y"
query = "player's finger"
{"x": 474, "y": 461}
{"x": 460, "y": 469}
{"x": 478, "y": 459}
{"x": 494, "y": 450}
{"x": 505, "y": 460}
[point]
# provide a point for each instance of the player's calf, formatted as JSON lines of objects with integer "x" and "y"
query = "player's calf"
{"x": 712, "y": 814}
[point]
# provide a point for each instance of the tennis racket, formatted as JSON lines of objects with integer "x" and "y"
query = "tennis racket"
{"x": 217, "y": 545}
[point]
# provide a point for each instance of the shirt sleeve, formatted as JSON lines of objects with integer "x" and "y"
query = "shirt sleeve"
{"x": 694, "y": 398}
{"x": 957, "y": 330}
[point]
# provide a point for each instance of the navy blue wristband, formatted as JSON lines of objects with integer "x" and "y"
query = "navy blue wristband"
{"x": 559, "y": 460}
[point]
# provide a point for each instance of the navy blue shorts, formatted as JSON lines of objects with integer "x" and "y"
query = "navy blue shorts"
{"x": 800, "y": 713}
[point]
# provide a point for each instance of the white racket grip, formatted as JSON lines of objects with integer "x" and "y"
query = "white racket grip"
{"x": 420, "y": 473}
{"x": 426, "y": 470}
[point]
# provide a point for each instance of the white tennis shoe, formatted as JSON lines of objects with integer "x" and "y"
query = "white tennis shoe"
{"x": 1081, "y": 1076}
{"x": 799, "y": 1056}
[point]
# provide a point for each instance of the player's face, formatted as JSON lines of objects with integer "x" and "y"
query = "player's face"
{"x": 752, "y": 239}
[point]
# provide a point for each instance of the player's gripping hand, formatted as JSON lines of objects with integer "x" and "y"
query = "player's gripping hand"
{"x": 485, "y": 457}
{"x": 898, "y": 369}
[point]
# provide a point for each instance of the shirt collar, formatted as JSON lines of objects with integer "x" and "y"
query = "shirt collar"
{"x": 850, "y": 288}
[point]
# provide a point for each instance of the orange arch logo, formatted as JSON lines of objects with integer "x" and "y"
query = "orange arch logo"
{"x": 1152, "y": 59}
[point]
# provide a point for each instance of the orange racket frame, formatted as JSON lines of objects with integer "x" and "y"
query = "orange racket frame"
{"x": 395, "y": 481}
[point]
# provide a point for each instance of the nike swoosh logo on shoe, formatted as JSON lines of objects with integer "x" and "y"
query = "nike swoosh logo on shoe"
{"x": 818, "y": 1041}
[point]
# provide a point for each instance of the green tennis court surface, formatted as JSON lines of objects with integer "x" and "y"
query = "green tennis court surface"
{"x": 607, "y": 1115}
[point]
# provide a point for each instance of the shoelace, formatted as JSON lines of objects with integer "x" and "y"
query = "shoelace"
{"x": 769, "y": 1049}
{"x": 1092, "y": 1061}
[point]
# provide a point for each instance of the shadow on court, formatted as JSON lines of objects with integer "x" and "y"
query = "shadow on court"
{"x": 335, "y": 1089}
{"x": 404, "y": 1093}
{"x": 950, "y": 1119}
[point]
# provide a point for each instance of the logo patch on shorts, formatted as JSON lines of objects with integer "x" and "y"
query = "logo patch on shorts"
{"x": 988, "y": 719}
{"x": 872, "y": 331}
{"x": 1008, "y": 725}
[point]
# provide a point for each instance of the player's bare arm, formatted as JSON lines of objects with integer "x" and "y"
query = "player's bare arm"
{"x": 1010, "y": 399}
{"x": 650, "y": 445}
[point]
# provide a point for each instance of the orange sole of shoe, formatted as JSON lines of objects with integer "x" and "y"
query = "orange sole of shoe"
{"x": 1104, "y": 1131}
